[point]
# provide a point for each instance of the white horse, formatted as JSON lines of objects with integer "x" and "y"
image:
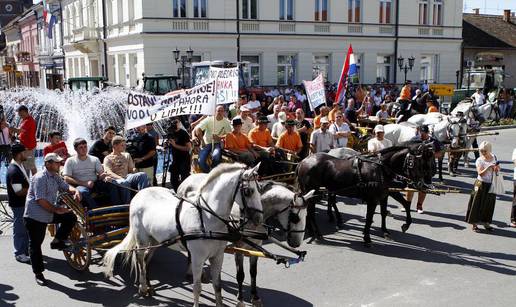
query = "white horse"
{"x": 154, "y": 213}
{"x": 279, "y": 203}
{"x": 487, "y": 111}
{"x": 444, "y": 128}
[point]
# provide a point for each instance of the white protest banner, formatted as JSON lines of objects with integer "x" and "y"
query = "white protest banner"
{"x": 227, "y": 84}
{"x": 143, "y": 109}
{"x": 315, "y": 92}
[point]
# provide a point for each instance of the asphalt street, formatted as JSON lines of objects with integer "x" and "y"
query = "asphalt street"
{"x": 440, "y": 261}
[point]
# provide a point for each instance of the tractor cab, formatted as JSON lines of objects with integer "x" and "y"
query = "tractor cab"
{"x": 86, "y": 83}
{"x": 160, "y": 84}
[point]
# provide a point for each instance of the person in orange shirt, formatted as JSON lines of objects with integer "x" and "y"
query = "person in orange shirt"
{"x": 333, "y": 112}
{"x": 431, "y": 107}
{"x": 323, "y": 113}
{"x": 239, "y": 144}
{"x": 263, "y": 143}
{"x": 405, "y": 92}
{"x": 290, "y": 141}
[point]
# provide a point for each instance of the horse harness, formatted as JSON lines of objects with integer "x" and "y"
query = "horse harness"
{"x": 293, "y": 218}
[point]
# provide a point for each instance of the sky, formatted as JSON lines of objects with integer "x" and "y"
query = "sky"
{"x": 494, "y": 7}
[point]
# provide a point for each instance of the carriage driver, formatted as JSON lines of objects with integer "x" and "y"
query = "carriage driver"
{"x": 41, "y": 209}
{"x": 238, "y": 143}
{"x": 378, "y": 142}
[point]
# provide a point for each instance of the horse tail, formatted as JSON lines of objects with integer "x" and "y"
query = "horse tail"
{"x": 126, "y": 246}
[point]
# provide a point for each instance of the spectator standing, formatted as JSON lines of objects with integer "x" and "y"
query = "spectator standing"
{"x": 478, "y": 98}
{"x": 333, "y": 111}
{"x": 17, "y": 186}
{"x": 102, "y": 147}
{"x": 181, "y": 146}
{"x": 254, "y": 104}
{"x": 323, "y": 112}
{"x": 5, "y": 143}
{"x": 340, "y": 130}
{"x": 273, "y": 118}
{"x": 155, "y": 136}
{"x": 382, "y": 114}
{"x": 119, "y": 166}
{"x": 27, "y": 136}
{"x": 41, "y": 209}
{"x": 211, "y": 130}
{"x": 247, "y": 120}
{"x": 56, "y": 146}
{"x": 482, "y": 203}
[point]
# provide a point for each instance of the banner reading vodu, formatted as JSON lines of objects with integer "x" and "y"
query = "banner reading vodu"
{"x": 143, "y": 109}
{"x": 315, "y": 92}
{"x": 227, "y": 84}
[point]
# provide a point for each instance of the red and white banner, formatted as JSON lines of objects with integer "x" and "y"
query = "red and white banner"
{"x": 315, "y": 92}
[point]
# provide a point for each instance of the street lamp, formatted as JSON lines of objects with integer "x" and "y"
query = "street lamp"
{"x": 469, "y": 64}
{"x": 184, "y": 61}
{"x": 404, "y": 66}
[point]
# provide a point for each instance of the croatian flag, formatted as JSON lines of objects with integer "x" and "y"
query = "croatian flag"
{"x": 51, "y": 21}
{"x": 349, "y": 70}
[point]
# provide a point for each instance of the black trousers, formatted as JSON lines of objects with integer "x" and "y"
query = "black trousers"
{"x": 179, "y": 170}
{"x": 37, "y": 231}
{"x": 513, "y": 211}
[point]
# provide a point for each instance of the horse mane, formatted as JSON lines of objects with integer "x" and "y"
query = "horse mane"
{"x": 219, "y": 170}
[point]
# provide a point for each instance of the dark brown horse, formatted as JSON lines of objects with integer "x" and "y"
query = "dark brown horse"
{"x": 367, "y": 177}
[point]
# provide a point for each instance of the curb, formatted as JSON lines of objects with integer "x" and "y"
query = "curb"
{"x": 488, "y": 128}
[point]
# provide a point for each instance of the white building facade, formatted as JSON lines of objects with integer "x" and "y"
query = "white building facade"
{"x": 286, "y": 41}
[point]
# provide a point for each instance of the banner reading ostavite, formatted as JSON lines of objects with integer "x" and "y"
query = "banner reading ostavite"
{"x": 143, "y": 109}
{"x": 315, "y": 92}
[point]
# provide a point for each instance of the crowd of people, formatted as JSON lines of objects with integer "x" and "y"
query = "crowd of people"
{"x": 278, "y": 126}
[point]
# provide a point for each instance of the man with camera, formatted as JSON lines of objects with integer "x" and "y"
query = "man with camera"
{"x": 179, "y": 141}
{"x": 144, "y": 152}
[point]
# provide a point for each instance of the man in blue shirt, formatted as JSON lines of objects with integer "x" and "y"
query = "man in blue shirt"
{"x": 41, "y": 209}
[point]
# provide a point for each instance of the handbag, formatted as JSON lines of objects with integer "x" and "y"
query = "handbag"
{"x": 497, "y": 184}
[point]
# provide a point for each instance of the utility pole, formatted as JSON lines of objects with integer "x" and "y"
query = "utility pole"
{"x": 238, "y": 28}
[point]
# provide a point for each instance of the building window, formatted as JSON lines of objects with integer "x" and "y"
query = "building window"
{"x": 429, "y": 67}
{"x": 249, "y": 9}
{"x": 320, "y": 65}
{"x": 353, "y": 10}
{"x": 200, "y": 8}
{"x": 286, "y": 9}
{"x": 385, "y": 11}
{"x": 321, "y": 10}
{"x": 438, "y": 13}
{"x": 423, "y": 12}
{"x": 253, "y": 70}
{"x": 383, "y": 68}
{"x": 286, "y": 69}
{"x": 179, "y": 7}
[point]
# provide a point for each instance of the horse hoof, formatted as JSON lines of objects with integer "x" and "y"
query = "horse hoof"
{"x": 367, "y": 242}
{"x": 257, "y": 302}
{"x": 151, "y": 291}
{"x": 387, "y": 236}
{"x": 404, "y": 228}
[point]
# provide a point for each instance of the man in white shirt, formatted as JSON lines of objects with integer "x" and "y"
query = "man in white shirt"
{"x": 253, "y": 105}
{"x": 273, "y": 118}
{"x": 378, "y": 142}
{"x": 279, "y": 127}
{"x": 340, "y": 130}
{"x": 247, "y": 120}
{"x": 321, "y": 139}
{"x": 478, "y": 98}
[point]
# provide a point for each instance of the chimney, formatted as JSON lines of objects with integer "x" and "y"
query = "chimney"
{"x": 476, "y": 11}
{"x": 507, "y": 15}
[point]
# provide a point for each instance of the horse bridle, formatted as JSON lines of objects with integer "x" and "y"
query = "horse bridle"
{"x": 293, "y": 218}
{"x": 245, "y": 190}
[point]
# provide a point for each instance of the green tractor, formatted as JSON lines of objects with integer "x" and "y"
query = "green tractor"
{"x": 86, "y": 83}
{"x": 488, "y": 79}
{"x": 160, "y": 84}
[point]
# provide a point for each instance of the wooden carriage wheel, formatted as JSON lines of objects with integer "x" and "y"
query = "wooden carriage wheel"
{"x": 79, "y": 255}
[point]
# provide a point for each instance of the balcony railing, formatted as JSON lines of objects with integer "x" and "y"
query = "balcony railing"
{"x": 250, "y": 26}
{"x": 287, "y": 27}
{"x": 323, "y": 28}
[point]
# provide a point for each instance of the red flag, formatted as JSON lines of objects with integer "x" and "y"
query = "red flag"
{"x": 341, "y": 88}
